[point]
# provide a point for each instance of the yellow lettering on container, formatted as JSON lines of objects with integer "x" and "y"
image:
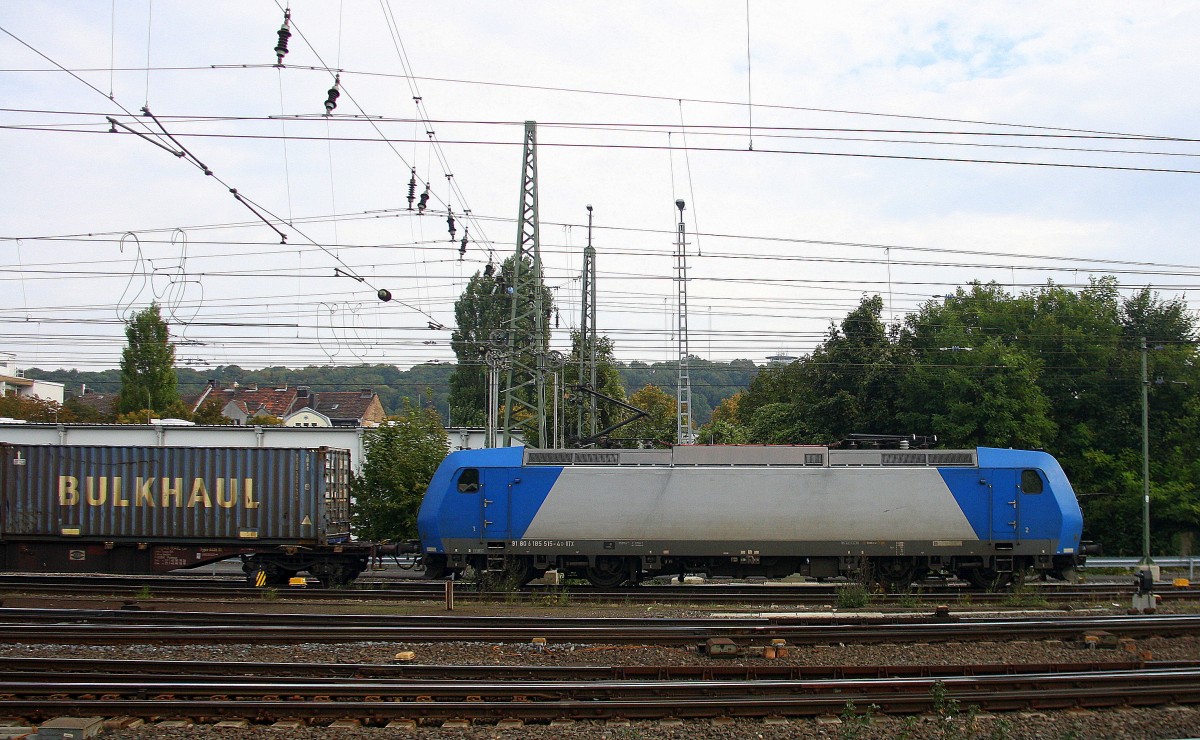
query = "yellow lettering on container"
{"x": 172, "y": 491}
{"x": 144, "y": 495}
{"x": 199, "y": 493}
{"x": 248, "y": 490}
{"x": 226, "y": 502}
{"x": 118, "y": 500}
{"x": 68, "y": 490}
{"x": 96, "y": 497}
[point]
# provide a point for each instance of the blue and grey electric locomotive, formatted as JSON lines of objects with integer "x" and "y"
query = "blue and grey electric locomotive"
{"x": 615, "y": 516}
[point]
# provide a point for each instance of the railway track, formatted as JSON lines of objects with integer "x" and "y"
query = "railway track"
{"x": 80, "y": 626}
{"x": 385, "y": 695}
{"x": 236, "y": 589}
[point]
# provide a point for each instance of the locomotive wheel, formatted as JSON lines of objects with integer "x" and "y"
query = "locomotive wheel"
{"x": 990, "y": 580}
{"x": 435, "y": 567}
{"x": 895, "y": 574}
{"x": 607, "y": 573}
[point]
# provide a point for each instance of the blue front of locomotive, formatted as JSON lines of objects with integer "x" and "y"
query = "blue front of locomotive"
{"x": 1029, "y": 498}
{"x": 499, "y": 504}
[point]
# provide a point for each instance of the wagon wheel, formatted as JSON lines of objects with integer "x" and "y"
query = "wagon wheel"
{"x": 607, "y": 573}
{"x": 895, "y": 574}
{"x": 331, "y": 575}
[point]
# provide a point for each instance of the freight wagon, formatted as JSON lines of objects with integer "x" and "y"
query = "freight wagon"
{"x": 141, "y": 510}
{"x": 617, "y": 516}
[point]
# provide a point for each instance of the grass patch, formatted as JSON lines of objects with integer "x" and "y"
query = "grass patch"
{"x": 853, "y": 596}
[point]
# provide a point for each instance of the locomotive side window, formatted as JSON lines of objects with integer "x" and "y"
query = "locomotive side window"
{"x": 468, "y": 480}
{"x": 1031, "y": 482}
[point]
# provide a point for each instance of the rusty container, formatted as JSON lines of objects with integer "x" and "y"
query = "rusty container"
{"x": 154, "y": 495}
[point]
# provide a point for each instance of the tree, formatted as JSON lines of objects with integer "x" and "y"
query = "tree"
{"x": 264, "y": 420}
{"x": 33, "y": 408}
{"x": 483, "y": 314}
{"x": 148, "y": 377}
{"x": 210, "y": 413}
{"x": 400, "y": 457}
{"x": 848, "y": 384}
{"x": 723, "y": 428}
{"x": 608, "y": 383}
{"x": 658, "y": 426}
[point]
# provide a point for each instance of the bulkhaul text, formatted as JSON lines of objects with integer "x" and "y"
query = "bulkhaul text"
{"x": 156, "y": 492}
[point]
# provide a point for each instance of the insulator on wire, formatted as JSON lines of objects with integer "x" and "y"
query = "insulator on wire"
{"x": 450, "y": 222}
{"x": 462, "y": 245}
{"x": 334, "y": 94}
{"x": 285, "y": 33}
{"x": 489, "y": 270}
{"x": 412, "y": 188}
{"x": 424, "y": 200}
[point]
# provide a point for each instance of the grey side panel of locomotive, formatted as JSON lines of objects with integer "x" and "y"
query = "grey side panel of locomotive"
{"x": 747, "y": 504}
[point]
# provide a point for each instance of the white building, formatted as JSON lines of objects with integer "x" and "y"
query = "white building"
{"x": 14, "y": 381}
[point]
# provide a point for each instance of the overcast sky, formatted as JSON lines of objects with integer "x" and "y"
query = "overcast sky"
{"x": 824, "y": 152}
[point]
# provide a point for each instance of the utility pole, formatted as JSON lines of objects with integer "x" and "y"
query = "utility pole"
{"x": 1146, "y": 561}
{"x": 525, "y": 387}
{"x": 586, "y": 426}
{"x": 684, "y": 434}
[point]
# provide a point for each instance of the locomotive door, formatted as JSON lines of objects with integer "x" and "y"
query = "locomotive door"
{"x": 1005, "y": 512}
{"x": 494, "y": 505}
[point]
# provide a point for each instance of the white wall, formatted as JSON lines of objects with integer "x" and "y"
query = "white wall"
{"x": 168, "y": 435}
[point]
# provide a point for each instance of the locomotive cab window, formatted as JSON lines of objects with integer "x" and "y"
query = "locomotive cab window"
{"x": 1031, "y": 482}
{"x": 468, "y": 480}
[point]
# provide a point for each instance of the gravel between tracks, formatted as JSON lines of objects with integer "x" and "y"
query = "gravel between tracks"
{"x": 1170, "y": 722}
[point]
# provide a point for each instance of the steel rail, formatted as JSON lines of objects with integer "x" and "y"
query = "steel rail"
{"x": 84, "y": 627}
{"x": 233, "y": 589}
{"x": 377, "y": 701}
{"x": 56, "y": 669}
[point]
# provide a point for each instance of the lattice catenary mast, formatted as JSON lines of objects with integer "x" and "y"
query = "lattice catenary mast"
{"x": 683, "y": 389}
{"x": 525, "y": 388}
{"x": 586, "y": 427}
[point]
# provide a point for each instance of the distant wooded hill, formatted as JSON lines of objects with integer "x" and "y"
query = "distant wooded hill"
{"x": 426, "y": 384}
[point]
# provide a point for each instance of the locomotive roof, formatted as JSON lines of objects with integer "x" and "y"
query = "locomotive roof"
{"x": 752, "y": 455}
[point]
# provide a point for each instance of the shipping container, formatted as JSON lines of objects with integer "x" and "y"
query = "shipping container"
{"x": 151, "y": 509}
{"x": 172, "y": 493}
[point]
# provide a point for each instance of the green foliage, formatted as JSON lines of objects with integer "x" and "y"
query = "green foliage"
{"x": 400, "y": 457}
{"x": 854, "y": 725}
{"x": 580, "y": 422}
{"x": 264, "y": 420}
{"x": 76, "y": 411}
{"x": 136, "y": 416}
{"x": 210, "y": 413}
{"x": 1052, "y": 368}
{"x": 712, "y": 382}
{"x": 483, "y": 317}
{"x": 849, "y": 383}
{"x": 148, "y": 364}
{"x": 658, "y": 426}
{"x": 32, "y": 408}
{"x": 853, "y": 596}
{"x": 723, "y": 427}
